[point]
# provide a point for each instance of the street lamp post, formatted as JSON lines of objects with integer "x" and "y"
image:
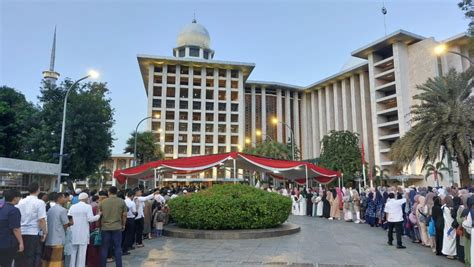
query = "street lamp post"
{"x": 136, "y": 136}
{"x": 91, "y": 74}
{"x": 275, "y": 121}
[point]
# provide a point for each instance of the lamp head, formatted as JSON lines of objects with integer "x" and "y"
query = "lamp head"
{"x": 247, "y": 140}
{"x": 258, "y": 132}
{"x": 93, "y": 74}
{"x": 440, "y": 49}
{"x": 275, "y": 120}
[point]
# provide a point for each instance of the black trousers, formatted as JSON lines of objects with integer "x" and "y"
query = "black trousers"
{"x": 139, "y": 231}
{"x": 439, "y": 240}
{"x": 31, "y": 255}
{"x": 7, "y": 255}
{"x": 128, "y": 234}
{"x": 398, "y": 229}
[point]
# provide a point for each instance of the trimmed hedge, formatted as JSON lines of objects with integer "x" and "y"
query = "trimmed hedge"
{"x": 230, "y": 206}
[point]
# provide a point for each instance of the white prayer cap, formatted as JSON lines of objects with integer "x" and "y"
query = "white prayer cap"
{"x": 78, "y": 191}
{"x": 83, "y": 196}
{"x": 185, "y": 191}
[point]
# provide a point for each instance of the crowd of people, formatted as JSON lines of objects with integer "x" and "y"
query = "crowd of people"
{"x": 83, "y": 228}
{"x": 437, "y": 218}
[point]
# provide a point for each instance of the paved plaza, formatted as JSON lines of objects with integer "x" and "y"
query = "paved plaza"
{"x": 320, "y": 243}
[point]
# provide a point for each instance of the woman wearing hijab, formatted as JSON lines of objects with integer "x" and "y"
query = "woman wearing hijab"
{"x": 422, "y": 217}
{"x": 416, "y": 238}
{"x": 455, "y": 212}
{"x": 429, "y": 203}
{"x": 335, "y": 214}
{"x": 437, "y": 215}
{"x": 467, "y": 226}
{"x": 326, "y": 205}
{"x": 370, "y": 212}
{"x": 379, "y": 204}
{"x": 449, "y": 233}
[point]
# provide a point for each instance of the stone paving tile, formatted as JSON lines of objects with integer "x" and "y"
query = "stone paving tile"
{"x": 321, "y": 243}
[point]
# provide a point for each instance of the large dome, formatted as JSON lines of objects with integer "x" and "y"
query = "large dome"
{"x": 194, "y": 34}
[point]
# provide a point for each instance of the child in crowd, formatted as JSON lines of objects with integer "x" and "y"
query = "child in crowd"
{"x": 159, "y": 219}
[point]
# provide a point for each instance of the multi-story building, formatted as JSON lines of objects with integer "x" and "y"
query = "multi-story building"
{"x": 204, "y": 106}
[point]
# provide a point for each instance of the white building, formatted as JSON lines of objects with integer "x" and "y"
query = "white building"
{"x": 207, "y": 106}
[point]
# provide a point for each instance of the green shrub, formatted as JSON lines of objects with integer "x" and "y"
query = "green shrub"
{"x": 230, "y": 206}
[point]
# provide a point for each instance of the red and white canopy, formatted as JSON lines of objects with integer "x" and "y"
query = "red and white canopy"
{"x": 282, "y": 169}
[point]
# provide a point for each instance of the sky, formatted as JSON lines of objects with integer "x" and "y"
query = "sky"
{"x": 295, "y": 42}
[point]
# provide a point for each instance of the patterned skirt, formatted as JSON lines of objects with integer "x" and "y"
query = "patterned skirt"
{"x": 52, "y": 256}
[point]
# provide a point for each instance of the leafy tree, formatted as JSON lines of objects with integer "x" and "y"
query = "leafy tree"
{"x": 443, "y": 119}
{"x": 270, "y": 149}
{"x": 297, "y": 150}
{"x": 435, "y": 170}
{"x": 100, "y": 177}
{"x": 467, "y": 6}
{"x": 89, "y": 124}
{"x": 148, "y": 148}
{"x": 17, "y": 117}
{"x": 341, "y": 152}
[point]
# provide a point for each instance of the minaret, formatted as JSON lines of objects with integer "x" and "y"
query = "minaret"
{"x": 50, "y": 75}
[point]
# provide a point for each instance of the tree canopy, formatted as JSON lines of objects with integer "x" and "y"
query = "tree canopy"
{"x": 340, "y": 151}
{"x": 17, "y": 118}
{"x": 444, "y": 119}
{"x": 89, "y": 122}
{"x": 148, "y": 148}
{"x": 270, "y": 149}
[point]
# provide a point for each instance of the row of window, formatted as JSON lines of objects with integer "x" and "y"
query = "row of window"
{"x": 196, "y": 138}
{"x": 157, "y": 103}
{"x": 196, "y": 150}
{"x": 196, "y": 127}
{"x": 196, "y": 116}
{"x": 184, "y": 81}
{"x": 209, "y": 72}
{"x": 196, "y": 93}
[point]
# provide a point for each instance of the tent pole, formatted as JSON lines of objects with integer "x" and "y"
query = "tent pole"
{"x": 306, "y": 172}
{"x": 235, "y": 172}
{"x": 126, "y": 183}
{"x": 154, "y": 184}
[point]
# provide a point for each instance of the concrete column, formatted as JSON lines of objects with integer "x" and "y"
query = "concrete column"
{"x": 346, "y": 106}
{"x": 228, "y": 111}
{"x": 279, "y": 113}
{"x": 296, "y": 124}
{"x": 176, "y": 113}
{"x": 315, "y": 120}
{"x": 241, "y": 109}
{"x": 114, "y": 168}
{"x": 216, "y": 112}
{"x": 151, "y": 77}
{"x": 322, "y": 113}
{"x": 329, "y": 109}
{"x": 253, "y": 116}
{"x": 202, "y": 142}
{"x": 164, "y": 85}
{"x": 355, "y": 105}
{"x": 264, "y": 113}
{"x": 287, "y": 115}
{"x": 337, "y": 107}
{"x": 373, "y": 109}
{"x": 305, "y": 127}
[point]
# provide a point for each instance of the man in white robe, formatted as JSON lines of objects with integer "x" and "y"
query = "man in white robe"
{"x": 82, "y": 215}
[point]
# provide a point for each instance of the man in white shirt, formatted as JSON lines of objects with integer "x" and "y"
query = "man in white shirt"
{"x": 33, "y": 222}
{"x": 393, "y": 208}
{"x": 139, "y": 220}
{"x": 129, "y": 232}
{"x": 82, "y": 215}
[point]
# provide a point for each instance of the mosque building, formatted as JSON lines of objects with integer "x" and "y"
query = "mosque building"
{"x": 201, "y": 105}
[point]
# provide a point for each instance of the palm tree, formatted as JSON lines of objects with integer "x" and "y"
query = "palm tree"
{"x": 444, "y": 118}
{"x": 380, "y": 174}
{"x": 435, "y": 170}
{"x": 148, "y": 148}
{"x": 270, "y": 149}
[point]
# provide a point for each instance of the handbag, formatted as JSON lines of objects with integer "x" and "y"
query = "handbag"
{"x": 96, "y": 237}
{"x": 431, "y": 228}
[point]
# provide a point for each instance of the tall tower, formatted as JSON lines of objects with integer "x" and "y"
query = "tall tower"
{"x": 50, "y": 75}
